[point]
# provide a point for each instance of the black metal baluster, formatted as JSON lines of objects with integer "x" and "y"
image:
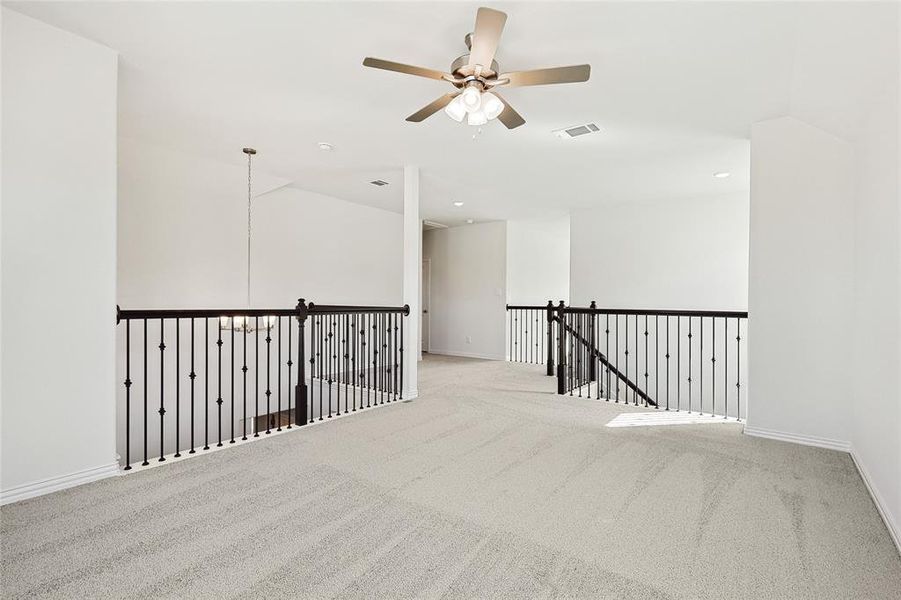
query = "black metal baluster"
{"x": 395, "y": 318}
{"x": 627, "y": 357}
{"x": 667, "y": 362}
{"x": 244, "y": 373}
{"x": 402, "y": 317}
{"x": 374, "y": 342}
{"x": 725, "y": 367}
{"x": 337, "y": 324}
{"x": 127, "y": 394}
{"x": 232, "y": 356}
{"x": 321, "y": 361}
{"x": 206, "y": 384}
{"x": 145, "y": 463}
{"x": 278, "y": 372}
{"x": 346, "y": 359}
{"x": 689, "y": 365}
{"x": 256, "y": 377}
{"x": 637, "y": 361}
{"x": 386, "y": 355}
{"x": 616, "y": 358}
{"x": 162, "y": 410}
{"x": 367, "y": 350}
{"x": 268, "y": 372}
{"x": 355, "y": 346}
{"x": 219, "y": 383}
{"x": 192, "y": 376}
{"x": 607, "y": 351}
{"x": 646, "y": 388}
{"x": 289, "y": 364}
{"x": 330, "y": 351}
{"x": 701, "y": 367}
{"x": 678, "y": 363}
{"x": 177, "y": 387}
{"x": 656, "y": 361}
{"x": 738, "y": 369}
{"x": 713, "y": 366}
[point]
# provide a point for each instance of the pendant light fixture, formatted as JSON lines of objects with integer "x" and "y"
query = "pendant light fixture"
{"x": 239, "y": 323}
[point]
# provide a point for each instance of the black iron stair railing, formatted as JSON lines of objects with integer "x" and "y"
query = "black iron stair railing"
{"x": 221, "y": 373}
{"x": 655, "y": 358}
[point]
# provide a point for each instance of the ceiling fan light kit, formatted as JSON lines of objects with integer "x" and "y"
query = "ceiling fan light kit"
{"x": 475, "y": 75}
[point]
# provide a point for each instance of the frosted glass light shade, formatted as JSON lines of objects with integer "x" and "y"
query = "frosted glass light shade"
{"x": 472, "y": 99}
{"x": 491, "y": 105}
{"x": 455, "y": 110}
{"x": 477, "y": 118}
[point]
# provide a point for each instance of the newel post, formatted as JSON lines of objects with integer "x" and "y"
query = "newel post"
{"x": 561, "y": 350}
{"x": 550, "y": 339}
{"x": 300, "y": 397}
{"x": 592, "y": 329}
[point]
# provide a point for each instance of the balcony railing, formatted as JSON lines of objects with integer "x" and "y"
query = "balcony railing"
{"x": 685, "y": 360}
{"x": 198, "y": 379}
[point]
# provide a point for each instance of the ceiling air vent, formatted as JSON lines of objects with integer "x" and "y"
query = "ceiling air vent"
{"x": 576, "y": 131}
{"x": 379, "y": 182}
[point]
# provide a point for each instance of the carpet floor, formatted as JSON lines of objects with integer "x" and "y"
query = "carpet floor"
{"x": 487, "y": 485}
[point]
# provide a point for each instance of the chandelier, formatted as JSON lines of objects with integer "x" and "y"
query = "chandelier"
{"x": 243, "y": 323}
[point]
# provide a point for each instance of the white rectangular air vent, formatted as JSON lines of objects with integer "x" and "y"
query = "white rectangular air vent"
{"x": 379, "y": 182}
{"x": 576, "y": 131}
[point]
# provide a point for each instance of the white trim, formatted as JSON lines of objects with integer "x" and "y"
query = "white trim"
{"x": 893, "y": 529}
{"x": 796, "y": 438}
{"x": 62, "y": 482}
{"x": 467, "y": 354}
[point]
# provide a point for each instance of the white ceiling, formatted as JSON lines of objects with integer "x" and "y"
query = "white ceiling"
{"x": 674, "y": 88}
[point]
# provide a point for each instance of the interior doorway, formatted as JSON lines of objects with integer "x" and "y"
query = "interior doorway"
{"x": 426, "y": 295}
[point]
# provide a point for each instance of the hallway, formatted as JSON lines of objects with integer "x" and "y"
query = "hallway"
{"x": 480, "y": 487}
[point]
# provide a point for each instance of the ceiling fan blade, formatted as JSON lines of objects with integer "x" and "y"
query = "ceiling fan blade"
{"x": 509, "y": 117}
{"x": 427, "y": 111}
{"x": 486, "y": 36}
{"x": 387, "y": 65}
{"x": 573, "y": 74}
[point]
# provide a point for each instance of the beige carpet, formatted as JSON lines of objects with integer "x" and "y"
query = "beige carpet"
{"x": 482, "y": 487}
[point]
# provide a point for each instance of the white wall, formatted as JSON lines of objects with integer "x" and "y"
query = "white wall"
{"x": 538, "y": 260}
{"x": 875, "y": 425}
{"x": 58, "y": 254}
{"x": 801, "y": 280}
{"x": 674, "y": 254}
{"x": 183, "y": 238}
{"x": 468, "y": 289}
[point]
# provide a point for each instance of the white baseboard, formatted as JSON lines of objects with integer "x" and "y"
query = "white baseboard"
{"x": 842, "y": 446}
{"x": 54, "y": 484}
{"x": 880, "y": 503}
{"x": 796, "y": 438}
{"x": 467, "y": 354}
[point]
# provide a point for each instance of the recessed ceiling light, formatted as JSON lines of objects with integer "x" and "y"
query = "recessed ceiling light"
{"x": 721, "y": 174}
{"x": 325, "y": 146}
{"x": 458, "y": 204}
{"x": 470, "y": 221}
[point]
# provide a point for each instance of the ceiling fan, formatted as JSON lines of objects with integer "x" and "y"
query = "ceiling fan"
{"x": 476, "y": 75}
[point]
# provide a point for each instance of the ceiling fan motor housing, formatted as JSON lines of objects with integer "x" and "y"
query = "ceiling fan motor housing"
{"x": 461, "y": 68}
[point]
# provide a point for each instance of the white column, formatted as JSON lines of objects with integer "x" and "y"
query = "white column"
{"x": 412, "y": 280}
